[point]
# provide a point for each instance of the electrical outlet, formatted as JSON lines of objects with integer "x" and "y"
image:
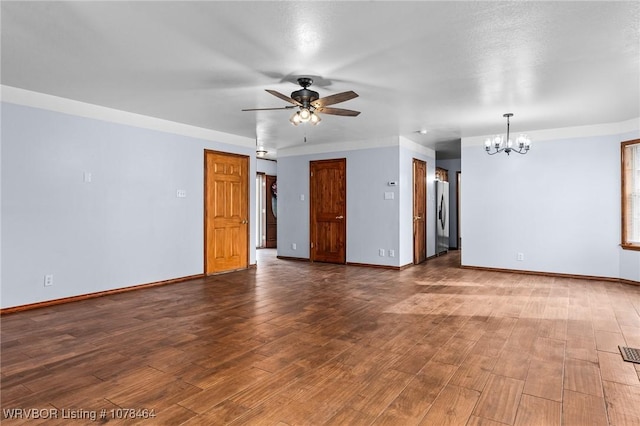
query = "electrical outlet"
{"x": 392, "y": 253}
{"x": 520, "y": 257}
{"x": 48, "y": 280}
{"x": 293, "y": 246}
{"x": 381, "y": 252}
{"x": 181, "y": 193}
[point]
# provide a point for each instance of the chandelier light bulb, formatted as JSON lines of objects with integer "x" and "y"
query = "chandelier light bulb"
{"x": 524, "y": 142}
{"x": 497, "y": 142}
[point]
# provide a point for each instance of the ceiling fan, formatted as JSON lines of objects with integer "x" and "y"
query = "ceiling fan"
{"x": 310, "y": 103}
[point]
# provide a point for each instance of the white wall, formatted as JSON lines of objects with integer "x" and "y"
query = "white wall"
{"x": 268, "y": 167}
{"x": 409, "y": 151}
{"x": 629, "y": 265}
{"x": 373, "y": 223}
{"x": 126, "y": 227}
{"x": 629, "y": 259}
{"x": 452, "y": 166}
{"x": 559, "y": 205}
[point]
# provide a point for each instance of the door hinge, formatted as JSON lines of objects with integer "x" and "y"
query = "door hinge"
{"x": 311, "y": 245}
{"x": 311, "y": 174}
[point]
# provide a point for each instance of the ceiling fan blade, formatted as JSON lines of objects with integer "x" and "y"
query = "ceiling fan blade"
{"x": 338, "y": 111}
{"x": 334, "y": 99}
{"x": 269, "y": 109}
{"x": 284, "y": 97}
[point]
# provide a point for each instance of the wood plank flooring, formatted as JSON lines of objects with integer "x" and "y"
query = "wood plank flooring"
{"x": 294, "y": 343}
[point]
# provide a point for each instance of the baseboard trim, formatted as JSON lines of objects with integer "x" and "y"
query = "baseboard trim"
{"x": 299, "y": 259}
{"x": 626, "y": 281}
{"x": 552, "y": 274}
{"x": 366, "y": 265}
{"x": 371, "y": 265}
{"x": 70, "y": 299}
{"x": 213, "y": 274}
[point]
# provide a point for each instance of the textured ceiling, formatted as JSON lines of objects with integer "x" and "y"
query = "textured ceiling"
{"x": 452, "y": 68}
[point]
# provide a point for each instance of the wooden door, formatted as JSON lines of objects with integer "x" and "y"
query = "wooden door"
{"x": 419, "y": 211}
{"x": 271, "y": 211}
{"x": 328, "y": 196}
{"x": 226, "y": 211}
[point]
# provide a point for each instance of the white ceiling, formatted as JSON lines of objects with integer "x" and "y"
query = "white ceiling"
{"x": 452, "y": 68}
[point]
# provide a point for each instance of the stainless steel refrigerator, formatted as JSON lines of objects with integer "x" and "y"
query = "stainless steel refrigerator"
{"x": 442, "y": 217}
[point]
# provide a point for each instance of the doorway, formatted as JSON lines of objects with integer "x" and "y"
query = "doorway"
{"x": 458, "y": 209}
{"x": 226, "y": 212}
{"x": 271, "y": 211}
{"x": 419, "y": 211}
{"x": 328, "y": 210}
{"x": 266, "y": 211}
{"x": 261, "y": 210}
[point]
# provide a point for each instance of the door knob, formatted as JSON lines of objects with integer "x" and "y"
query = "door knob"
{"x": 339, "y": 217}
{"x": 417, "y": 217}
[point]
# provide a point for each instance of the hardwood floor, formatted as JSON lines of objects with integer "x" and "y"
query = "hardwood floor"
{"x": 294, "y": 343}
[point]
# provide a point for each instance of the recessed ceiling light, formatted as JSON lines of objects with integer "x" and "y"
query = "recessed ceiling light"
{"x": 423, "y": 132}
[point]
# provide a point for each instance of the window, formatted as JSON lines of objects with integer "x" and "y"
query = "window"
{"x": 630, "y": 153}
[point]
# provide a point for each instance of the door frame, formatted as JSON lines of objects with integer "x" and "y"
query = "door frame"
{"x": 206, "y": 207}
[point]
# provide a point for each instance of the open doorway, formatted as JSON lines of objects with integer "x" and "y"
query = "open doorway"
{"x": 261, "y": 236}
{"x": 459, "y": 209}
{"x": 266, "y": 210}
{"x": 271, "y": 211}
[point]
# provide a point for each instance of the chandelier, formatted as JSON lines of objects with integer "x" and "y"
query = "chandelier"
{"x": 499, "y": 144}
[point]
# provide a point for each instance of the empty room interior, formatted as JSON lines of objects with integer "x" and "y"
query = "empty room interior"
{"x": 320, "y": 213}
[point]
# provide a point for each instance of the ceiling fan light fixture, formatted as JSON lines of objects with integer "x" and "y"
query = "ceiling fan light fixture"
{"x": 295, "y": 118}
{"x": 315, "y": 118}
{"x": 261, "y": 152}
{"x": 309, "y": 101}
{"x": 305, "y": 114}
